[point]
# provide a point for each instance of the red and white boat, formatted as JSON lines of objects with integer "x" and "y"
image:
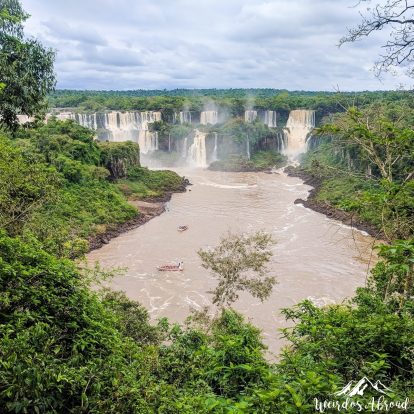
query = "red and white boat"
{"x": 171, "y": 267}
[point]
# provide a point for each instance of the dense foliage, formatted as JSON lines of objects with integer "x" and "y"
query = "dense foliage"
{"x": 64, "y": 348}
{"x": 365, "y": 165}
{"x": 26, "y": 67}
{"x": 68, "y": 348}
{"x": 57, "y": 185}
{"x": 142, "y": 183}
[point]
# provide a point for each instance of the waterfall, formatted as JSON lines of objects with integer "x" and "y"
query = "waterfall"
{"x": 147, "y": 141}
{"x": 209, "y": 118}
{"x": 63, "y": 116}
{"x": 197, "y": 153}
{"x": 156, "y": 141}
{"x": 248, "y": 147}
{"x": 120, "y": 126}
{"x": 281, "y": 142}
{"x": 86, "y": 120}
{"x": 250, "y": 116}
{"x": 299, "y": 125}
{"x": 184, "y": 153}
{"x": 270, "y": 119}
{"x": 185, "y": 117}
{"x": 215, "y": 157}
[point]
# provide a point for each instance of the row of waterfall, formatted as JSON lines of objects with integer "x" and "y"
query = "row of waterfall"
{"x": 135, "y": 126}
{"x": 268, "y": 117}
{"x": 250, "y": 116}
{"x": 213, "y": 117}
{"x": 120, "y": 126}
{"x": 209, "y": 118}
{"x": 292, "y": 142}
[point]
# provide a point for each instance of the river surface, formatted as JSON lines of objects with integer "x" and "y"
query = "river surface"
{"x": 314, "y": 257}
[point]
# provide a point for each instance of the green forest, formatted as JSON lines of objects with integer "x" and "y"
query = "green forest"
{"x": 235, "y": 101}
{"x": 67, "y": 346}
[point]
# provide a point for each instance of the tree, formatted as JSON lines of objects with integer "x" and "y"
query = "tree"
{"x": 388, "y": 144}
{"x": 26, "y": 67}
{"x": 381, "y": 141}
{"x": 396, "y": 15}
{"x": 119, "y": 157}
{"x": 25, "y": 186}
{"x": 239, "y": 263}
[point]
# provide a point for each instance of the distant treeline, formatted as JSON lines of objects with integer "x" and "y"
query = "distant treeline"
{"x": 235, "y": 101}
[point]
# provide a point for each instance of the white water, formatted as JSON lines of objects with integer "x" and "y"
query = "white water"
{"x": 86, "y": 120}
{"x": 270, "y": 119}
{"x": 209, "y": 118}
{"x": 197, "y": 156}
{"x": 185, "y": 117}
{"x": 250, "y": 116}
{"x": 248, "y": 147}
{"x": 120, "y": 126}
{"x": 215, "y": 157}
{"x": 184, "y": 153}
{"x": 298, "y": 127}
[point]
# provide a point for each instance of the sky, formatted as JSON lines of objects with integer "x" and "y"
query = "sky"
{"x": 168, "y": 44}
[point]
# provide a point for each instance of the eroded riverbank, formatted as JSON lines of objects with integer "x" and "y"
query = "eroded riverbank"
{"x": 315, "y": 257}
{"x": 328, "y": 210}
{"x": 147, "y": 210}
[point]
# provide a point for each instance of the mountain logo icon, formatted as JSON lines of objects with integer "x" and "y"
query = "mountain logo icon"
{"x": 359, "y": 388}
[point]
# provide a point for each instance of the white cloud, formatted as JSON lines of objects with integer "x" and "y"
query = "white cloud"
{"x": 130, "y": 44}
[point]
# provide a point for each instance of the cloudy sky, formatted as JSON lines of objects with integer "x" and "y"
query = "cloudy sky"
{"x": 157, "y": 44}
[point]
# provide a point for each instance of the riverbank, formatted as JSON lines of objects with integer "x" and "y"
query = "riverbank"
{"x": 147, "y": 210}
{"x": 312, "y": 202}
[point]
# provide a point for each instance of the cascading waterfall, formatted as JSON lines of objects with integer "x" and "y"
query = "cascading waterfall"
{"x": 281, "y": 142}
{"x": 270, "y": 119}
{"x": 185, "y": 117}
{"x": 184, "y": 153}
{"x": 197, "y": 152}
{"x": 215, "y": 157}
{"x": 136, "y": 126}
{"x": 63, "y": 116}
{"x": 156, "y": 141}
{"x": 209, "y": 118}
{"x": 248, "y": 147}
{"x": 299, "y": 125}
{"x": 87, "y": 120}
{"x": 250, "y": 116}
{"x": 120, "y": 126}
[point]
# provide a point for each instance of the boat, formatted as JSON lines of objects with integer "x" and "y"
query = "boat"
{"x": 182, "y": 228}
{"x": 171, "y": 267}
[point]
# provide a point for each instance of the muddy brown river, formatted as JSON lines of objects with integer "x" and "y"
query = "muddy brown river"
{"x": 314, "y": 257}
